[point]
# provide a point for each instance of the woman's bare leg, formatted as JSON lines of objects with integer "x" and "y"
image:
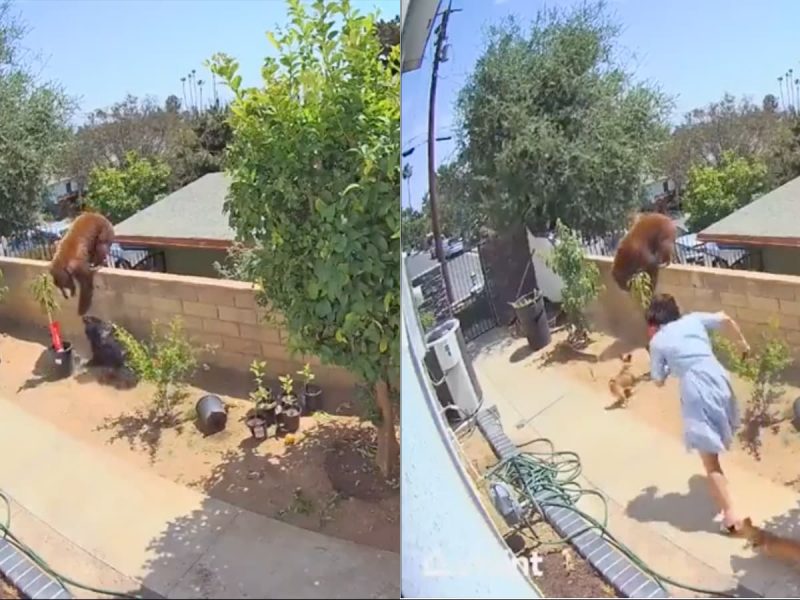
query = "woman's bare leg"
{"x": 718, "y": 486}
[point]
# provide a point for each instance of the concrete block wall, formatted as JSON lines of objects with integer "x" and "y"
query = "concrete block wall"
{"x": 218, "y": 312}
{"x": 752, "y": 298}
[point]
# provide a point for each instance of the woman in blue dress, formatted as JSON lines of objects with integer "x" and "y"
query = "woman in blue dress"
{"x": 680, "y": 345}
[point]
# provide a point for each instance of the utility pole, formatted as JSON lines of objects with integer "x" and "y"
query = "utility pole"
{"x": 441, "y": 35}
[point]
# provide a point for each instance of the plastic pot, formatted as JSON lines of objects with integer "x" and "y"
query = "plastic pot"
{"x": 289, "y": 420}
{"x": 211, "y": 414}
{"x": 258, "y": 427}
{"x": 532, "y": 318}
{"x": 312, "y": 398}
{"x": 63, "y": 361}
{"x": 293, "y": 401}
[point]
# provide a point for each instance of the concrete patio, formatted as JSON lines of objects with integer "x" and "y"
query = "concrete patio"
{"x": 657, "y": 496}
{"x": 109, "y": 524}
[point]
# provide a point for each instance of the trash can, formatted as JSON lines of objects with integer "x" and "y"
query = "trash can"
{"x": 533, "y": 319}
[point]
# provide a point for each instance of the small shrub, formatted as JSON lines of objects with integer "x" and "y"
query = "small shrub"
{"x": 581, "y": 279}
{"x": 261, "y": 396}
{"x": 427, "y": 320}
{"x": 43, "y": 291}
{"x": 3, "y": 287}
{"x": 307, "y": 375}
{"x": 166, "y": 361}
{"x": 642, "y": 289}
{"x": 762, "y": 368}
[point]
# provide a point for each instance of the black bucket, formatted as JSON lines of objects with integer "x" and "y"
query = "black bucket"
{"x": 63, "y": 361}
{"x": 312, "y": 397}
{"x": 211, "y": 414}
{"x": 533, "y": 319}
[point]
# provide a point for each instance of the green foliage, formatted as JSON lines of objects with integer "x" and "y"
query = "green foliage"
{"x": 762, "y": 367}
{"x": 43, "y": 291}
{"x": 287, "y": 385}
{"x": 33, "y": 131}
{"x": 121, "y": 192}
{"x": 427, "y": 320}
{"x": 261, "y": 396}
{"x": 784, "y": 161}
{"x": 554, "y": 127}
{"x": 3, "y": 287}
{"x": 714, "y": 192}
{"x": 581, "y": 279}
{"x": 415, "y": 229}
{"x": 307, "y": 375}
{"x": 315, "y": 162}
{"x": 642, "y": 289}
{"x": 729, "y": 125}
{"x": 167, "y": 360}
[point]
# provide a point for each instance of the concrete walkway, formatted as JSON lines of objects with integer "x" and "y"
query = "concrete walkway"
{"x": 659, "y": 504}
{"x": 134, "y": 528}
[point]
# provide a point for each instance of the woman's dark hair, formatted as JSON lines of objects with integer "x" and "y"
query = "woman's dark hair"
{"x": 663, "y": 309}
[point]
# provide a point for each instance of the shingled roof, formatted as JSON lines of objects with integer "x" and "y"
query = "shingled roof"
{"x": 771, "y": 220}
{"x": 191, "y": 217}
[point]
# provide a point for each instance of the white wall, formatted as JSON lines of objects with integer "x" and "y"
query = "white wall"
{"x": 548, "y": 282}
{"x": 450, "y": 547}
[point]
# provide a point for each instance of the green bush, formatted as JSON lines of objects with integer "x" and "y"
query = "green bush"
{"x": 581, "y": 279}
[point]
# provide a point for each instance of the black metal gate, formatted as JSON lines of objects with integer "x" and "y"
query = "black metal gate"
{"x": 473, "y": 303}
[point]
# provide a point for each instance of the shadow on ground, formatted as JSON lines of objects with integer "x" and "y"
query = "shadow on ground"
{"x": 693, "y": 511}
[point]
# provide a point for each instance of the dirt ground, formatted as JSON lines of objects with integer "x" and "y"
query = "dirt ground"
{"x": 564, "y": 573}
{"x": 7, "y": 591}
{"x": 324, "y": 481}
{"x": 775, "y": 455}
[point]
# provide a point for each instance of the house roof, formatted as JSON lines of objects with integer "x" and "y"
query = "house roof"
{"x": 191, "y": 217}
{"x": 771, "y": 220}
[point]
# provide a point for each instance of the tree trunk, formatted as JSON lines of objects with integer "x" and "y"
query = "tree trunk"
{"x": 388, "y": 446}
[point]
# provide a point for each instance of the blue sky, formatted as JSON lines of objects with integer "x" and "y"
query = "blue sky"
{"x": 695, "y": 50}
{"x": 100, "y": 50}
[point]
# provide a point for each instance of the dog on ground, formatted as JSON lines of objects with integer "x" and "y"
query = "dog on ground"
{"x": 107, "y": 352}
{"x": 621, "y": 385}
{"x": 769, "y": 544}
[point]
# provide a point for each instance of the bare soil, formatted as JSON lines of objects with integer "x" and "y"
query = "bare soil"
{"x": 321, "y": 478}
{"x": 565, "y": 574}
{"x": 8, "y": 591}
{"x": 773, "y": 452}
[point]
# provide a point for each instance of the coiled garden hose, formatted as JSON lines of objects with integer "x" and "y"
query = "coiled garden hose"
{"x": 556, "y": 473}
{"x": 7, "y": 535}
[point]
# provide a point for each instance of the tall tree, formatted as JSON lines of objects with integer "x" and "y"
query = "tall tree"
{"x": 707, "y": 133}
{"x": 415, "y": 227}
{"x": 33, "y": 130}
{"x": 714, "y": 192}
{"x": 388, "y": 33}
{"x": 554, "y": 127}
{"x": 315, "y": 162}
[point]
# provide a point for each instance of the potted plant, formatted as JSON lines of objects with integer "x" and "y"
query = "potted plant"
{"x": 289, "y": 416}
{"x": 312, "y": 393}
{"x": 43, "y": 291}
{"x": 265, "y": 412}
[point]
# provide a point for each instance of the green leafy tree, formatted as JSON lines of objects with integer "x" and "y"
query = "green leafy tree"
{"x": 34, "y": 130}
{"x": 581, "y": 279}
{"x": 415, "y": 229}
{"x": 121, "y": 192}
{"x": 714, "y": 192}
{"x": 784, "y": 162}
{"x": 729, "y": 125}
{"x": 460, "y": 208}
{"x": 315, "y": 163}
{"x": 552, "y": 126}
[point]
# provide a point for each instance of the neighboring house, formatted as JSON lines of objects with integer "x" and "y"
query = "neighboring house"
{"x": 660, "y": 195}
{"x": 769, "y": 225}
{"x": 188, "y": 226}
{"x": 62, "y": 190}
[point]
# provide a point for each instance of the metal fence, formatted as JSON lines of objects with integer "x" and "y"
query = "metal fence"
{"x": 688, "y": 251}
{"x": 40, "y": 243}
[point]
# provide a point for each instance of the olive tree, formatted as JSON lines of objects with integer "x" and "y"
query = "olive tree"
{"x": 315, "y": 168}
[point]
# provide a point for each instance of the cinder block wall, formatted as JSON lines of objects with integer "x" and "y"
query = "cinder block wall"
{"x": 752, "y": 298}
{"x": 219, "y": 312}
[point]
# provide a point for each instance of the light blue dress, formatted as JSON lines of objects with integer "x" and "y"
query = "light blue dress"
{"x": 708, "y": 406}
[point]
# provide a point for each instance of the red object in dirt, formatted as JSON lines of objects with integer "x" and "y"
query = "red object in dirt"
{"x": 55, "y": 336}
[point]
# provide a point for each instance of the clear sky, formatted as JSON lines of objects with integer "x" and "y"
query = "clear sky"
{"x": 695, "y": 50}
{"x": 100, "y": 50}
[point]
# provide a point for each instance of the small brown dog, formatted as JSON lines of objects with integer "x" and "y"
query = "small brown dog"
{"x": 768, "y": 543}
{"x": 621, "y": 385}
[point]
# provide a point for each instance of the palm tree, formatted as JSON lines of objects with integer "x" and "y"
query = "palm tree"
{"x": 797, "y": 88}
{"x": 214, "y": 88}
{"x": 183, "y": 87}
{"x": 191, "y": 94}
{"x": 780, "y": 84}
{"x": 790, "y": 87}
{"x": 408, "y": 171}
{"x": 196, "y": 94}
{"x": 200, "y": 85}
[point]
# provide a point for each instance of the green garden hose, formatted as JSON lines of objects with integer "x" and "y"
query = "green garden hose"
{"x": 556, "y": 473}
{"x": 5, "y": 533}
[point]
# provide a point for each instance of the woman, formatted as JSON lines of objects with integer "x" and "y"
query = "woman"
{"x": 680, "y": 345}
